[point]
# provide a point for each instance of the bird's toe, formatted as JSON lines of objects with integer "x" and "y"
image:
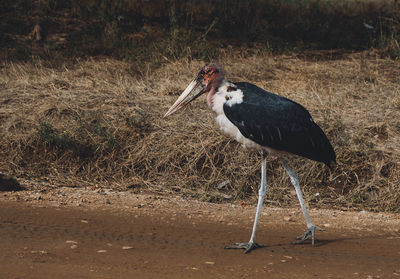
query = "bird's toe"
{"x": 248, "y": 247}
{"x": 309, "y": 232}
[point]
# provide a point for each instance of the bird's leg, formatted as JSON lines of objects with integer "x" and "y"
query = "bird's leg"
{"x": 252, "y": 244}
{"x": 310, "y": 226}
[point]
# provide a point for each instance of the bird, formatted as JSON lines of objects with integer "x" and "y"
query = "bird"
{"x": 264, "y": 122}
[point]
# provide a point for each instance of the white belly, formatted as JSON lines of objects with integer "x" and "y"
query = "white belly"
{"x": 231, "y": 98}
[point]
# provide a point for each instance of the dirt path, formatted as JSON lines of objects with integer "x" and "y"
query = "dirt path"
{"x": 71, "y": 233}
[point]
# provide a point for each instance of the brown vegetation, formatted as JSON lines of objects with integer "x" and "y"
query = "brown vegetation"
{"x": 96, "y": 123}
{"x": 84, "y": 85}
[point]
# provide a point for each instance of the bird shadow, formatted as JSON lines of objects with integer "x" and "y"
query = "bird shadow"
{"x": 323, "y": 242}
{"x": 284, "y": 246}
{"x": 317, "y": 243}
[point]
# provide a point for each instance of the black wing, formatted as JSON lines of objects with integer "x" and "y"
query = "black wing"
{"x": 277, "y": 122}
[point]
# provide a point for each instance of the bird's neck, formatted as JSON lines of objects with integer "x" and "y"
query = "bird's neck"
{"x": 210, "y": 101}
{"x": 213, "y": 90}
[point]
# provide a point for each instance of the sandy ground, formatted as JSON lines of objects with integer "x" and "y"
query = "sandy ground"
{"x": 86, "y": 233}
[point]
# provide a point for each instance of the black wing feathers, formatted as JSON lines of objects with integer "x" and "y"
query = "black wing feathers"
{"x": 274, "y": 121}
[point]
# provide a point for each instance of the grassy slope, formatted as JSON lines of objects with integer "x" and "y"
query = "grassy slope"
{"x": 95, "y": 123}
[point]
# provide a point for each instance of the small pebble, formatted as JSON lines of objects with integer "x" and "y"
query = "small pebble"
{"x": 127, "y": 247}
{"x": 287, "y": 219}
{"x": 101, "y": 251}
{"x": 223, "y": 184}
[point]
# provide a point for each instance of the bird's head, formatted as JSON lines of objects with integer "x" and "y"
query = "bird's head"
{"x": 206, "y": 80}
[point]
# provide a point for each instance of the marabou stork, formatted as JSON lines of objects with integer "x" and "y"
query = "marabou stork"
{"x": 263, "y": 121}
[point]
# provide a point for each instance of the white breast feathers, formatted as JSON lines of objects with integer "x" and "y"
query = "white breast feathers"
{"x": 230, "y": 95}
{"x": 227, "y": 93}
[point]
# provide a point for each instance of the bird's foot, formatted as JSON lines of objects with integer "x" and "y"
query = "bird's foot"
{"x": 248, "y": 247}
{"x": 310, "y": 232}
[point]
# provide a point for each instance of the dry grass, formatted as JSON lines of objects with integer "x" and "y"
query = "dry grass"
{"x": 95, "y": 124}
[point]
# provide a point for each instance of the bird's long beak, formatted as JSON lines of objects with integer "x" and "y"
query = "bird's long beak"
{"x": 194, "y": 90}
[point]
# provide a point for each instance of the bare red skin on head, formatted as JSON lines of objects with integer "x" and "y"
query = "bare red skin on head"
{"x": 212, "y": 77}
